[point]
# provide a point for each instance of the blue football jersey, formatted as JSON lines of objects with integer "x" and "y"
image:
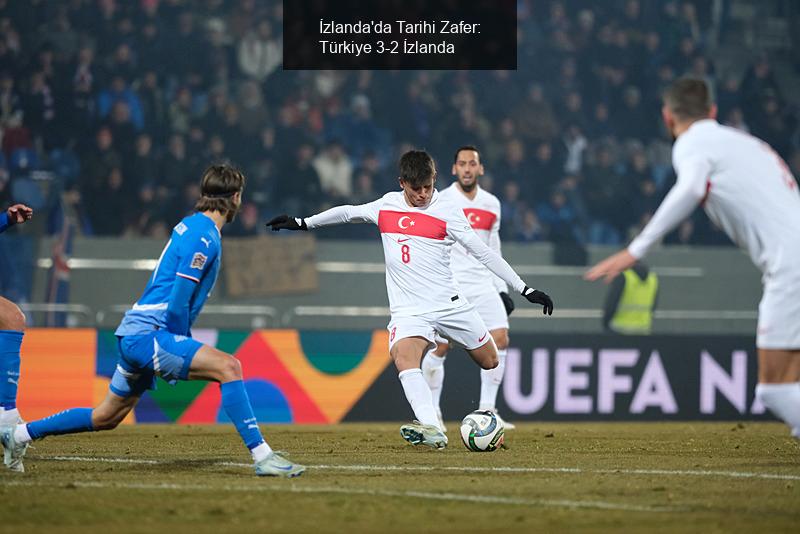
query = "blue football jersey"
{"x": 194, "y": 252}
{"x": 3, "y": 222}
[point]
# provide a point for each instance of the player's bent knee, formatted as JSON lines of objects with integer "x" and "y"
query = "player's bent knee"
{"x": 490, "y": 363}
{"x": 231, "y": 369}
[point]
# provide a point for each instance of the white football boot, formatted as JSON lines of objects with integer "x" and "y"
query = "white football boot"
{"x": 506, "y": 424}
{"x": 13, "y": 452}
{"x": 276, "y": 465}
{"x": 418, "y": 434}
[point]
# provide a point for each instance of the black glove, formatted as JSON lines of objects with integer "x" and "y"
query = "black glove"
{"x": 284, "y": 222}
{"x": 507, "y": 302}
{"x": 539, "y": 297}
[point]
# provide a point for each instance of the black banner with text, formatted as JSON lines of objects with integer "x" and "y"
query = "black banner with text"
{"x": 596, "y": 377}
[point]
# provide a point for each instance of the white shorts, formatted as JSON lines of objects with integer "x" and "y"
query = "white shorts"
{"x": 779, "y": 314}
{"x": 489, "y": 306}
{"x": 462, "y": 325}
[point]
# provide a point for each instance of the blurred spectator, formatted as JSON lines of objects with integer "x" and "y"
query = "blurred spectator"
{"x": 259, "y": 52}
{"x": 175, "y": 165}
{"x": 153, "y": 102}
{"x": 605, "y": 192}
{"x": 511, "y": 210}
{"x": 634, "y": 121}
{"x": 40, "y": 110}
{"x": 575, "y": 144}
{"x": 254, "y": 113}
{"x": 335, "y": 170}
{"x": 534, "y": 116}
{"x": 514, "y": 166}
{"x": 530, "y": 229}
{"x": 10, "y": 102}
{"x": 545, "y": 170}
{"x": 298, "y": 185}
{"x": 142, "y": 166}
{"x": 758, "y": 83}
{"x": 119, "y": 91}
{"x": 98, "y": 160}
{"x": 108, "y": 205}
{"x": 558, "y": 217}
{"x": 772, "y": 124}
{"x": 180, "y": 111}
{"x": 728, "y": 96}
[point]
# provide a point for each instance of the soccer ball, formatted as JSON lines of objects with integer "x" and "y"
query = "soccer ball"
{"x": 481, "y": 431}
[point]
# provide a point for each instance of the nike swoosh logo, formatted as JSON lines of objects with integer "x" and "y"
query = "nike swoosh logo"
{"x": 401, "y": 240}
{"x": 482, "y": 338}
{"x": 283, "y": 468}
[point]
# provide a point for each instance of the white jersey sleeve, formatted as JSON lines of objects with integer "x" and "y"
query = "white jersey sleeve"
{"x": 463, "y": 233}
{"x": 494, "y": 244}
{"x": 746, "y": 189}
{"x": 363, "y": 213}
{"x": 693, "y": 170}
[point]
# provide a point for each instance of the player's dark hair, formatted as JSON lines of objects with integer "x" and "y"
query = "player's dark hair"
{"x": 471, "y": 148}
{"x": 417, "y": 168}
{"x": 688, "y": 98}
{"x": 217, "y": 188}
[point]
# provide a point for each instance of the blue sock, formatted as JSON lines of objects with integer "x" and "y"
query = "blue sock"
{"x": 69, "y": 421}
{"x": 237, "y": 405}
{"x": 10, "y": 342}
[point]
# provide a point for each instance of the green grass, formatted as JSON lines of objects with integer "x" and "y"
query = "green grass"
{"x": 621, "y": 477}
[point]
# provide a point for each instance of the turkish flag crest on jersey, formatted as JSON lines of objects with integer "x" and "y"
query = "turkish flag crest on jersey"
{"x": 480, "y": 219}
{"x": 410, "y": 223}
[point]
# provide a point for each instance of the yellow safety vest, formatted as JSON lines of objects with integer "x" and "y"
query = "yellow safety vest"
{"x": 634, "y": 313}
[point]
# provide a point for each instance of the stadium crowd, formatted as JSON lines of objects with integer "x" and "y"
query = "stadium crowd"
{"x": 124, "y": 102}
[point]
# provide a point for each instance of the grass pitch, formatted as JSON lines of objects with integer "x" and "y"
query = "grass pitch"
{"x": 553, "y": 477}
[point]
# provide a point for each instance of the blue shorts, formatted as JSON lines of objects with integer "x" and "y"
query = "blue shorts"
{"x": 146, "y": 356}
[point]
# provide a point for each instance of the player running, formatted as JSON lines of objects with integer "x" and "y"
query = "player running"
{"x": 12, "y": 329}
{"x": 418, "y": 228}
{"x": 749, "y": 192}
{"x": 484, "y": 290}
{"x": 155, "y": 337}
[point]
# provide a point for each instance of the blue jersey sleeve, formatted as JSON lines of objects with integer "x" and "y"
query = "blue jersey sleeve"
{"x": 198, "y": 254}
{"x": 4, "y": 222}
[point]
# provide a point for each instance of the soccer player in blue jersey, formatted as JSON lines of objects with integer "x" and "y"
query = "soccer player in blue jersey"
{"x": 12, "y": 328}
{"x": 155, "y": 337}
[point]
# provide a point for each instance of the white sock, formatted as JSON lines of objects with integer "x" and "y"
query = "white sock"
{"x": 21, "y": 434}
{"x": 784, "y": 401}
{"x": 490, "y": 383}
{"x": 419, "y": 396}
{"x": 9, "y": 417}
{"x": 433, "y": 371}
{"x": 260, "y": 451}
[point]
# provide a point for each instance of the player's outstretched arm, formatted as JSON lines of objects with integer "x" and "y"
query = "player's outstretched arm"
{"x": 16, "y": 214}
{"x": 687, "y": 193}
{"x": 362, "y": 213}
{"x": 495, "y": 263}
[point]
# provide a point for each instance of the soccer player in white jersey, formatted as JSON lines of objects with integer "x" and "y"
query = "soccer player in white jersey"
{"x": 484, "y": 290}
{"x": 418, "y": 227}
{"x": 749, "y": 192}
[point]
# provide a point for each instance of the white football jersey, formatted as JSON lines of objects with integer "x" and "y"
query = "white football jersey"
{"x": 417, "y": 244}
{"x": 483, "y": 214}
{"x": 744, "y": 187}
